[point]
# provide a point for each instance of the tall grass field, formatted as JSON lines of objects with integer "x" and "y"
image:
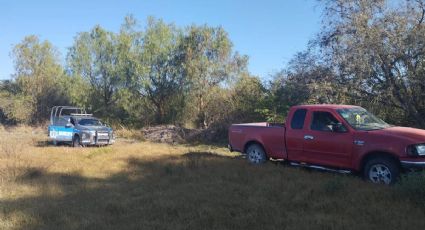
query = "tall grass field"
{"x": 136, "y": 184}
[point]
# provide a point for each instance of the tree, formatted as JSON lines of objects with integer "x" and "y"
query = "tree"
{"x": 94, "y": 58}
{"x": 160, "y": 74}
{"x": 161, "y": 77}
{"x": 247, "y": 98}
{"x": 377, "y": 51}
{"x": 38, "y": 76}
{"x": 208, "y": 62}
{"x": 306, "y": 79}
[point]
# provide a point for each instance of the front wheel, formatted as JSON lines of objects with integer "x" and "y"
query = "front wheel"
{"x": 76, "y": 142}
{"x": 256, "y": 154}
{"x": 381, "y": 170}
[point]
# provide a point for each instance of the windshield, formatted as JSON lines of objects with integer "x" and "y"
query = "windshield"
{"x": 361, "y": 119}
{"x": 90, "y": 122}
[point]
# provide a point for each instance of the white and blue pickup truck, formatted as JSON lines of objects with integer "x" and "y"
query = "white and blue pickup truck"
{"x": 72, "y": 125}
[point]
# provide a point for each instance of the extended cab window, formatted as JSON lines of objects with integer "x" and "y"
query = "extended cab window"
{"x": 323, "y": 121}
{"x": 298, "y": 119}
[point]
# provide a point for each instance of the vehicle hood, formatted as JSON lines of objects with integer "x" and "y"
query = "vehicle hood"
{"x": 409, "y": 134}
{"x": 94, "y": 128}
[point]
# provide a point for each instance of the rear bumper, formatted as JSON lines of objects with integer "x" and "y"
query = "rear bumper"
{"x": 413, "y": 164}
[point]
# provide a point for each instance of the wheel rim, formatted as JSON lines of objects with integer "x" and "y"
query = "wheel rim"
{"x": 380, "y": 174}
{"x": 254, "y": 155}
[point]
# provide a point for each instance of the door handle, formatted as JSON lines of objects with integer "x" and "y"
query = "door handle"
{"x": 308, "y": 137}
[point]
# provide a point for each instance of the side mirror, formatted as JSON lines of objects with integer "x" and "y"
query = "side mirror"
{"x": 69, "y": 125}
{"x": 339, "y": 128}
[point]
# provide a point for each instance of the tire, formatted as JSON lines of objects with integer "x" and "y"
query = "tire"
{"x": 76, "y": 142}
{"x": 381, "y": 170}
{"x": 256, "y": 154}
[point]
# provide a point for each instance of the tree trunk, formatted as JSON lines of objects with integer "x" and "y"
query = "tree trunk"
{"x": 202, "y": 123}
{"x": 160, "y": 112}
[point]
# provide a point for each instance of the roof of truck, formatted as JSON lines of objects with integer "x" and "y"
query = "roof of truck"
{"x": 327, "y": 106}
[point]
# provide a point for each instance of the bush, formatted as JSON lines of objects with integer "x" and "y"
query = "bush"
{"x": 15, "y": 109}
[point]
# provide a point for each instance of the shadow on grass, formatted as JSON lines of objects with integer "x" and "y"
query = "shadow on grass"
{"x": 202, "y": 190}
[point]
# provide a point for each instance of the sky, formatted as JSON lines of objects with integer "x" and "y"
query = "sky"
{"x": 270, "y": 32}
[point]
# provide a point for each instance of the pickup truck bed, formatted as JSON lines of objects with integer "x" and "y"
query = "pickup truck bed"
{"x": 272, "y": 135}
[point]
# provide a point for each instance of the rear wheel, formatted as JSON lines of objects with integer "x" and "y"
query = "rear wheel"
{"x": 381, "y": 170}
{"x": 76, "y": 142}
{"x": 256, "y": 154}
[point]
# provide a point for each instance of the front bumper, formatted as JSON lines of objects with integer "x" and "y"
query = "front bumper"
{"x": 413, "y": 164}
{"x": 99, "y": 138}
{"x": 97, "y": 142}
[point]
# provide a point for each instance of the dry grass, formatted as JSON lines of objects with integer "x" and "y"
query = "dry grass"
{"x": 123, "y": 132}
{"x": 142, "y": 185}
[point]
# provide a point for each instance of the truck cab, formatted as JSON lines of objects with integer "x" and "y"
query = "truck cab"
{"x": 74, "y": 126}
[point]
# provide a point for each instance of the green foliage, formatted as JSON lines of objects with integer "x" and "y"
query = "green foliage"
{"x": 37, "y": 82}
{"x": 162, "y": 75}
{"x": 368, "y": 53}
{"x": 301, "y": 83}
{"x": 17, "y": 108}
{"x": 247, "y": 95}
{"x": 377, "y": 50}
{"x": 76, "y": 89}
{"x": 208, "y": 62}
{"x": 93, "y": 57}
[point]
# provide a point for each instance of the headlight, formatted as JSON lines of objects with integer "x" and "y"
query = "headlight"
{"x": 420, "y": 149}
{"x": 87, "y": 134}
{"x": 416, "y": 150}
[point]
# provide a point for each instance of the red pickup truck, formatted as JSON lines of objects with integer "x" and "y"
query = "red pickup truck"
{"x": 334, "y": 137}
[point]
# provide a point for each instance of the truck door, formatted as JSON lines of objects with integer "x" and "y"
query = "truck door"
{"x": 62, "y": 129}
{"x": 327, "y": 141}
{"x": 295, "y": 135}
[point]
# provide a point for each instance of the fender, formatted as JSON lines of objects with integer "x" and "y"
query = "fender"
{"x": 360, "y": 159}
